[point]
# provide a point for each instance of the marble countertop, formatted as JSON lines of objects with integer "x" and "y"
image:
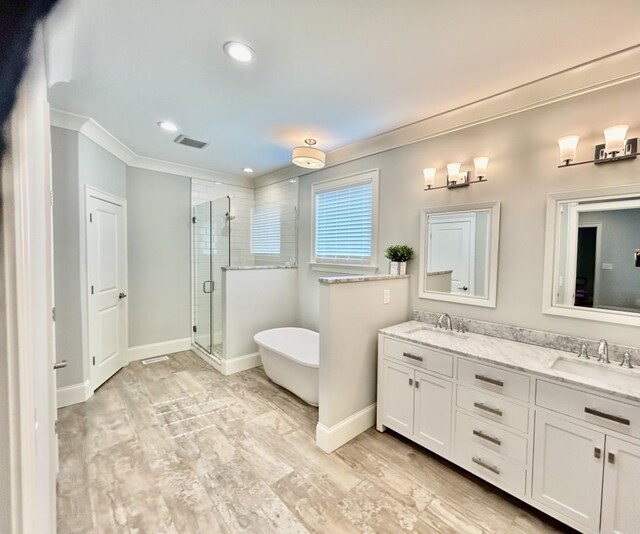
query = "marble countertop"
{"x": 347, "y": 279}
{"x": 257, "y": 267}
{"x": 436, "y": 273}
{"x": 511, "y": 354}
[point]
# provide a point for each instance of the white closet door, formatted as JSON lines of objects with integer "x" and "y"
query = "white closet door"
{"x": 107, "y": 278}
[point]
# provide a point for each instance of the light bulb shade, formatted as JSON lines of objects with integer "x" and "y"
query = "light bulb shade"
{"x": 568, "y": 147}
{"x": 308, "y": 157}
{"x": 615, "y": 138}
{"x": 481, "y": 163}
{"x": 429, "y": 176}
{"x": 453, "y": 170}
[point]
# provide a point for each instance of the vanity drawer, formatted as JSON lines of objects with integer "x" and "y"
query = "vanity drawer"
{"x": 494, "y": 379}
{"x": 493, "y": 408}
{"x": 492, "y": 437}
{"x": 593, "y": 409}
{"x": 424, "y": 357}
{"x": 491, "y": 466}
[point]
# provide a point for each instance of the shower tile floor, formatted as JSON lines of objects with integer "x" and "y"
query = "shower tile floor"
{"x": 176, "y": 447}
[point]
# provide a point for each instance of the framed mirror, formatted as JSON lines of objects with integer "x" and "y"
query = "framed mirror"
{"x": 592, "y": 257}
{"x": 459, "y": 253}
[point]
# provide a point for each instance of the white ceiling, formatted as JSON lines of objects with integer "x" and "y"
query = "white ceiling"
{"x": 336, "y": 70}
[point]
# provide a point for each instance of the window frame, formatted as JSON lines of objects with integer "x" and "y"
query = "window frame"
{"x": 352, "y": 180}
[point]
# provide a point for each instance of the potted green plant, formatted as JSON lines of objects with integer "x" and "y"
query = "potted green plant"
{"x": 398, "y": 256}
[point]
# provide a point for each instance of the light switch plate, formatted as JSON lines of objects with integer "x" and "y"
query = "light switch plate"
{"x": 386, "y": 296}
{"x": 607, "y": 266}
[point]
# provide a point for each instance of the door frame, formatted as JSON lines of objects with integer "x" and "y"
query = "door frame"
{"x": 118, "y": 201}
{"x": 26, "y": 301}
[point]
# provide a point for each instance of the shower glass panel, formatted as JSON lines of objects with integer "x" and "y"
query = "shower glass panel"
{"x": 202, "y": 270}
{"x": 221, "y": 257}
{"x": 211, "y": 240}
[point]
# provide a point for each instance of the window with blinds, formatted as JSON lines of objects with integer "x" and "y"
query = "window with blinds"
{"x": 265, "y": 230}
{"x": 344, "y": 221}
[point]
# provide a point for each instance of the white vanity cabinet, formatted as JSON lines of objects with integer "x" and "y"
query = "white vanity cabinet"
{"x": 418, "y": 403}
{"x": 582, "y": 467}
{"x": 567, "y": 450}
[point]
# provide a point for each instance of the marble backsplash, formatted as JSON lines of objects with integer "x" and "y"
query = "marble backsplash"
{"x": 533, "y": 337}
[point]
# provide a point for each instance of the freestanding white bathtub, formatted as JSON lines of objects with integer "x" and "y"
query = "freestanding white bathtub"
{"x": 291, "y": 358}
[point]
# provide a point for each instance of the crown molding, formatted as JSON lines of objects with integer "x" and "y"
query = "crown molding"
{"x": 103, "y": 138}
{"x": 601, "y": 73}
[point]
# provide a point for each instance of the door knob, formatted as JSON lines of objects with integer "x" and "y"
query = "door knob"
{"x": 59, "y": 365}
{"x": 464, "y": 288}
{"x": 122, "y": 295}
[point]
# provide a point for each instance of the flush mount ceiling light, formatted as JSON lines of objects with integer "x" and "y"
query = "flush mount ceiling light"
{"x": 168, "y": 126}
{"x": 616, "y": 147}
{"x": 239, "y": 51}
{"x": 248, "y": 170}
{"x": 308, "y": 156}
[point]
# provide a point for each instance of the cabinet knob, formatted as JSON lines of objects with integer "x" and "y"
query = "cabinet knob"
{"x": 597, "y": 453}
{"x": 611, "y": 457}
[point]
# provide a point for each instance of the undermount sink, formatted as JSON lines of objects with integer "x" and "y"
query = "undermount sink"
{"x": 611, "y": 374}
{"x": 434, "y": 330}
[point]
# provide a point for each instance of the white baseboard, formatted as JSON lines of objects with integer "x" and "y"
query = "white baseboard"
{"x": 68, "y": 395}
{"x": 241, "y": 363}
{"x": 158, "y": 349}
{"x": 330, "y": 438}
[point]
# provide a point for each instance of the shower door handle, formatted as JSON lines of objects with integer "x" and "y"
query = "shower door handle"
{"x": 204, "y": 286}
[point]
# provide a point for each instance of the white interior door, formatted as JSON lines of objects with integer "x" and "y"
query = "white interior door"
{"x": 107, "y": 280}
{"x": 452, "y": 248}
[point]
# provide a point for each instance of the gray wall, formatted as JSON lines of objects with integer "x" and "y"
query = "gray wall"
{"x": 619, "y": 286}
{"x": 522, "y": 171}
{"x": 77, "y": 162}
{"x": 158, "y": 241}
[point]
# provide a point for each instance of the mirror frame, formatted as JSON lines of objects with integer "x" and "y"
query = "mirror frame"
{"x": 494, "y": 241}
{"x": 551, "y": 255}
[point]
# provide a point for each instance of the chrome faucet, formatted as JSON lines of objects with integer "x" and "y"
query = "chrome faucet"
{"x": 603, "y": 351}
{"x": 626, "y": 361}
{"x": 444, "y": 321}
{"x": 583, "y": 352}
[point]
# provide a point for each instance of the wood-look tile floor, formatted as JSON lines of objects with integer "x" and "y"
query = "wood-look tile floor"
{"x": 177, "y": 447}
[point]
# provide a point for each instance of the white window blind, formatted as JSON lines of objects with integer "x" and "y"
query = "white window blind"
{"x": 265, "y": 230}
{"x": 343, "y": 224}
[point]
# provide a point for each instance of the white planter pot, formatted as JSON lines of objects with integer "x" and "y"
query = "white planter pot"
{"x": 398, "y": 267}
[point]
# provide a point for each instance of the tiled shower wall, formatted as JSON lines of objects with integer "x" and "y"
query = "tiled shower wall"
{"x": 243, "y": 200}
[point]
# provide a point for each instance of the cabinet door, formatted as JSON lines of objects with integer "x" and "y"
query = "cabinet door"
{"x": 432, "y": 424}
{"x": 568, "y": 463}
{"x": 397, "y": 397}
{"x": 620, "y": 510}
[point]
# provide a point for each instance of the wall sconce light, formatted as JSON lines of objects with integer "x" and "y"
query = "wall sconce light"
{"x": 616, "y": 147}
{"x": 455, "y": 177}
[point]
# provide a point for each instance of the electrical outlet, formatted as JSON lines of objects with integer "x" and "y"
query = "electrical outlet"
{"x": 386, "y": 296}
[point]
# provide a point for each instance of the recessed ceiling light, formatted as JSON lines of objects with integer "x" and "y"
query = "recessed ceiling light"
{"x": 239, "y": 51}
{"x": 248, "y": 170}
{"x": 293, "y": 180}
{"x": 168, "y": 126}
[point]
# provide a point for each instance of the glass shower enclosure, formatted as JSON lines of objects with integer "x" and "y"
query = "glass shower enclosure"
{"x": 211, "y": 251}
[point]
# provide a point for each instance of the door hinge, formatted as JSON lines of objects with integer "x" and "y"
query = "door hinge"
{"x": 90, "y": 217}
{"x": 53, "y": 314}
{"x": 195, "y": 328}
{"x": 94, "y": 360}
{"x": 92, "y": 290}
{"x": 193, "y": 220}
